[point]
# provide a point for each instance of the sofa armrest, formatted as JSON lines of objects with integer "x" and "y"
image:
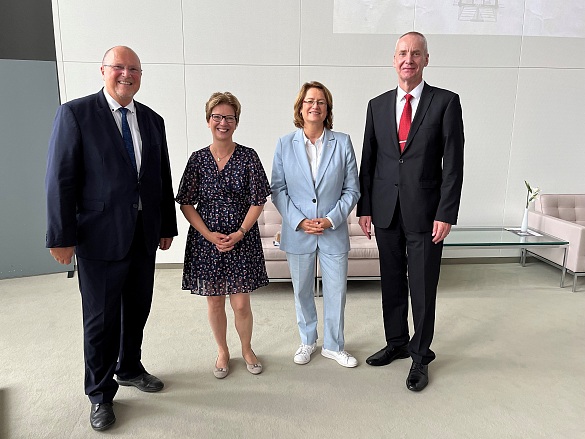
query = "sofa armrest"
{"x": 566, "y": 230}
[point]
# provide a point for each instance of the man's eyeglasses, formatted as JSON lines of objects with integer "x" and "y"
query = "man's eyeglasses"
{"x": 120, "y": 68}
{"x": 311, "y": 102}
{"x": 219, "y": 118}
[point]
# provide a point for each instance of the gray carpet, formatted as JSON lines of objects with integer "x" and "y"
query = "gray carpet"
{"x": 510, "y": 361}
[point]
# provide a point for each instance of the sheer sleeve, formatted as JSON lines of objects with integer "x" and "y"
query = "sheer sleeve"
{"x": 188, "y": 192}
{"x": 259, "y": 187}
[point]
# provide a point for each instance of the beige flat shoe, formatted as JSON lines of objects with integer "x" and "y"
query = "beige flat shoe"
{"x": 221, "y": 372}
{"x": 254, "y": 369}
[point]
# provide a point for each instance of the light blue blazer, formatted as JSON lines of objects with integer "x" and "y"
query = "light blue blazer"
{"x": 333, "y": 194}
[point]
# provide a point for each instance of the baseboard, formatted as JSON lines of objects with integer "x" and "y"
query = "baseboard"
{"x": 445, "y": 261}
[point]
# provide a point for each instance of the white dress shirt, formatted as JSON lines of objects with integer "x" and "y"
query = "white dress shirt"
{"x": 132, "y": 123}
{"x": 314, "y": 155}
{"x": 400, "y": 101}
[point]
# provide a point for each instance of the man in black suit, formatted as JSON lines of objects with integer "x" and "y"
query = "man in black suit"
{"x": 110, "y": 200}
{"x": 411, "y": 176}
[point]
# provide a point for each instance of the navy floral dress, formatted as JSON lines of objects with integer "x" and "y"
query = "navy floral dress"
{"x": 222, "y": 199}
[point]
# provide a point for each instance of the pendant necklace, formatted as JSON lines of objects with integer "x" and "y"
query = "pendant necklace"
{"x": 219, "y": 159}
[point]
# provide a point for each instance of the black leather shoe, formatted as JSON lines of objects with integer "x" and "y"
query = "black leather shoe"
{"x": 102, "y": 416}
{"x": 418, "y": 377}
{"x": 145, "y": 382}
{"x": 387, "y": 355}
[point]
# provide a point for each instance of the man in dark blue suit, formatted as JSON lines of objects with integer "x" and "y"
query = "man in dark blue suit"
{"x": 110, "y": 201}
{"x": 411, "y": 176}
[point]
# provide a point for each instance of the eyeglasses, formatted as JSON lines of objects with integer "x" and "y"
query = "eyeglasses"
{"x": 120, "y": 68}
{"x": 219, "y": 118}
{"x": 311, "y": 102}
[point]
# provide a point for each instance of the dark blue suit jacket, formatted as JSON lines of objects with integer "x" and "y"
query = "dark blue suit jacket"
{"x": 92, "y": 188}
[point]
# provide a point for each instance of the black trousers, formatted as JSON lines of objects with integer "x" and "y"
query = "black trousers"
{"x": 116, "y": 298}
{"x": 409, "y": 261}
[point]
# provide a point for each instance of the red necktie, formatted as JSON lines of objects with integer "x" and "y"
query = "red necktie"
{"x": 405, "y": 121}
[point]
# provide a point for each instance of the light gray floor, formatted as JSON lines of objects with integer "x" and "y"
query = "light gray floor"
{"x": 510, "y": 364}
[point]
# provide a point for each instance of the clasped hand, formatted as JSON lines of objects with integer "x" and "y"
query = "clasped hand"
{"x": 315, "y": 226}
{"x": 225, "y": 243}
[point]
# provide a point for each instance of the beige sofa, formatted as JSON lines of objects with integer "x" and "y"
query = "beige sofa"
{"x": 269, "y": 224}
{"x": 363, "y": 256}
{"x": 562, "y": 216}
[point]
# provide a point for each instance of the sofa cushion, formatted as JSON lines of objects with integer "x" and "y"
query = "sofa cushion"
{"x": 271, "y": 251}
{"x": 363, "y": 248}
{"x": 269, "y": 221}
{"x": 568, "y": 207}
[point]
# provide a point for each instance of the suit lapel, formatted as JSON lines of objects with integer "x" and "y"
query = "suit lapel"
{"x": 301, "y": 155}
{"x": 425, "y": 100}
{"x": 105, "y": 114}
{"x": 329, "y": 145}
{"x": 389, "y": 109}
{"x": 144, "y": 128}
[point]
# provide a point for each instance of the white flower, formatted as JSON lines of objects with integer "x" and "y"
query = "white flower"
{"x": 532, "y": 193}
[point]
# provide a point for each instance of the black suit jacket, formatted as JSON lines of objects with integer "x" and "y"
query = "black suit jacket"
{"x": 427, "y": 177}
{"x": 92, "y": 188}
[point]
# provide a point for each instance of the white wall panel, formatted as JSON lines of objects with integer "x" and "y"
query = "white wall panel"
{"x": 555, "y": 53}
{"x": 469, "y": 18}
{"x": 555, "y": 18}
{"x": 371, "y": 17}
{"x": 262, "y": 32}
{"x": 473, "y": 51}
{"x": 320, "y": 46}
{"x": 152, "y": 28}
{"x": 80, "y": 79}
{"x": 548, "y": 146}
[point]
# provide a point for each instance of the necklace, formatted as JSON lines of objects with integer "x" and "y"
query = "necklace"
{"x": 218, "y": 158}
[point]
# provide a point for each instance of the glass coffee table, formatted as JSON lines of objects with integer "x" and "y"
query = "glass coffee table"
{"x": 505, "y": 238}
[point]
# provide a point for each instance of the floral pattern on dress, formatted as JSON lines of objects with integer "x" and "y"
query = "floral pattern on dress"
{"x": 222, "y": 199}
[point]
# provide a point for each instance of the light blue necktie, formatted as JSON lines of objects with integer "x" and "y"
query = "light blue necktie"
{"x": 127, "y": 136}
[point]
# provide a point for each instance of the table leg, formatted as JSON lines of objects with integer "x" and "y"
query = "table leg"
{"x": 564, "y": 270}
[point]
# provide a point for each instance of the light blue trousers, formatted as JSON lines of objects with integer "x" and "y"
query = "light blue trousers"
{"x": 334, "y": 275}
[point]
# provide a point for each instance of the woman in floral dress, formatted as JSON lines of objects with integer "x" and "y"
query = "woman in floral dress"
{"x": 222, "y": 193}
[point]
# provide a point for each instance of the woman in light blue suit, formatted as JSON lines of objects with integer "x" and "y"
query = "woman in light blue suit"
{"x": 314, "y": 187}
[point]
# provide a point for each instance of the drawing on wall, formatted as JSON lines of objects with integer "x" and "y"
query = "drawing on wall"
{"x": 461, "y": 17}
{"x": 478, "y": 10}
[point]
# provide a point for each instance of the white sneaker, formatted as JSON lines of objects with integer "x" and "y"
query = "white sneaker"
{"x": 342, "y": 357}
{"x": 303, "y": 353}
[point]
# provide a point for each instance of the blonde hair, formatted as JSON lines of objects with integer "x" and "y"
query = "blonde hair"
{"x": 219, "y": 98}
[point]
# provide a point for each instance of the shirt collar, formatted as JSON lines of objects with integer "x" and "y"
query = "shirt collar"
{"x": 415, "y": 93}
{"x": 114, "y": 105}
{"x": 320, "y": 139}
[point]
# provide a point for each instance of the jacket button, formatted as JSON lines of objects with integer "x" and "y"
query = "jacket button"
{"x": 314, "y": 200}
{"x": 400, "y": 161}
{"x": 135, "y": 206}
